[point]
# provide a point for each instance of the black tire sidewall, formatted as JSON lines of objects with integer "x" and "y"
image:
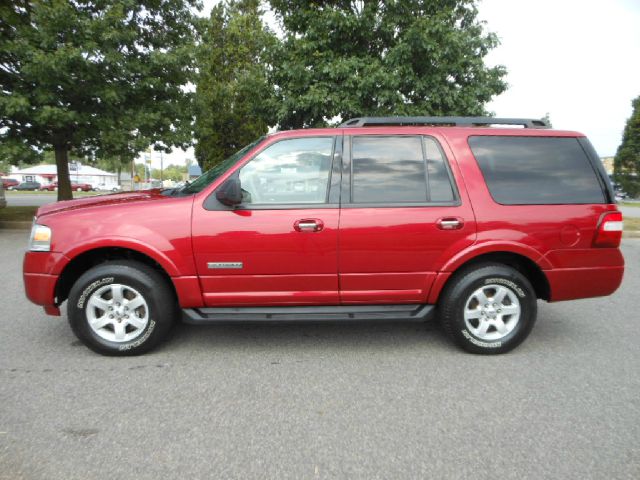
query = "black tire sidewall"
{"x": 160, "y": 301}
{"x": 455, "y": 299}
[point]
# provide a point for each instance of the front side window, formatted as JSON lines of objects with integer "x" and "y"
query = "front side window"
{"x": 210, "y": 176}
{"x": 292, "y": 171}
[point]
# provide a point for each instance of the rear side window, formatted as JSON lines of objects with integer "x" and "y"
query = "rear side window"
{"x": 388, "y": 170}
{"x": 402, "y": 169}
{"x": 536, "y": 170}
{"x": 440, "y": 188}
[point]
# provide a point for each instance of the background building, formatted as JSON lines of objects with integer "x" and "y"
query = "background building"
{"x": 46, "y": 174}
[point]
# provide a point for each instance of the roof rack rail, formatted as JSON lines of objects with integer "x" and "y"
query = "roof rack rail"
{"x": 446, "y": 121}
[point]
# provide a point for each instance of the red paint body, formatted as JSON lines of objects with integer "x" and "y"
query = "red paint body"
{"x": 361, "y": 255}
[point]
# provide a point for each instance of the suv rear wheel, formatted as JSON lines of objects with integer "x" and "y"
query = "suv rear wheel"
{"x": 121, "y": 308}
{"x": 489, "y": 308}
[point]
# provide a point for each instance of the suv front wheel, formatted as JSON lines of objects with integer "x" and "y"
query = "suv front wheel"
{"x": 488, "y": 308}
{"x": 121, "y": 308}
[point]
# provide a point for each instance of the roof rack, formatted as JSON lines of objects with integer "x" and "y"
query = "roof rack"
{"x": 446, "y": 121}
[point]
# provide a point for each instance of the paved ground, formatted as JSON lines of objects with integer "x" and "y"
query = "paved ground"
{"x": 631, "y": 211}
{"x": 323, "y": 401}
{"x": 34, "y": 199}
{"x": 29, "y": 199}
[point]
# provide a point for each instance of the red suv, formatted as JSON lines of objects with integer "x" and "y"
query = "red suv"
{"x": 379, "y": 219}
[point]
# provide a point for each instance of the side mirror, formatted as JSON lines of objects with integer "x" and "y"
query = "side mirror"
{"x": 230, "y": 193}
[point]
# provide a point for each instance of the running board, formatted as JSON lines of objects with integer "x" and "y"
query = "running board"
{"x": 308, "y": 314}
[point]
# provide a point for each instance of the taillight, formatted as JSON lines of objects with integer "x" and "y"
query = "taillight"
{"x": 609, "y": 231}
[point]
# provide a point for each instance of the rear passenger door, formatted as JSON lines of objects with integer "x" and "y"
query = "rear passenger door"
{"x": 401, "y": 217}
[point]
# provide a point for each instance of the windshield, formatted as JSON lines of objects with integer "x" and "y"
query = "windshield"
{"x": 209, "y": 176}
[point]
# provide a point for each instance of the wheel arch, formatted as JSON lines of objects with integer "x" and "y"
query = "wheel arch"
{"x": 518, "y": 261}
{"x": 90, "y": 258}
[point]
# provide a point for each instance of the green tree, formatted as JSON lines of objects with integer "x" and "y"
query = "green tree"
{"x": 116, "y": 164}
{"x": 15, "y": 152}
{"x": 403, "y": 57}
{"x": 233, "y": 93}
{"x": 626, "y": 164}
{"x": 95, "y": 76}
{"x": 170, "y": 172}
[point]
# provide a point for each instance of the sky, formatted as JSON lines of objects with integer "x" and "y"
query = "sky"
{"x": 577, "y": 60}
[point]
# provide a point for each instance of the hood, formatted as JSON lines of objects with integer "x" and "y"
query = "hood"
{"x": 101, "y": 200}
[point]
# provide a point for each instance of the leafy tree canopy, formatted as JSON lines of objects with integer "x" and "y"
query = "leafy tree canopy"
{"x": 627, "y": 159}
{"x": 15, "y": 152}
{"x": 233, "y": 93}
{"x": 400, "y": 57}
{"x": 170, "y": 172}
{"x": 90, "y": 75}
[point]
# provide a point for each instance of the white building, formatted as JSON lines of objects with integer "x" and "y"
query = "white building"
{"x": 46, "y": 174}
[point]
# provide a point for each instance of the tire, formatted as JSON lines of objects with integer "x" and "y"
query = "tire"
{"x": 118, "y": 330}
{"x": 500, "y": 324}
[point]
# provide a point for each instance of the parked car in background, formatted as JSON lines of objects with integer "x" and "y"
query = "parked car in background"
{"x": 621, "y": 195}
{"x": 107, "y": 188}
{"x": 9, "y": 182}
{"x": 379, "y": 219}
{"x": 3, "y": 201}
{"x": 27, "y": 186}
{"x": 76, "y": 187}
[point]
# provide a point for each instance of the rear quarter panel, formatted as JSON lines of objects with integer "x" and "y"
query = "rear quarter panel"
{"x": 558, "y": 238}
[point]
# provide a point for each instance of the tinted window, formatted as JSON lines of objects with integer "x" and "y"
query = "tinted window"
{"x": 440, "y": 189}
{"x": 536, "y": 170}
{"x": 290, "y": 171}
{"x": 388, "y": 170}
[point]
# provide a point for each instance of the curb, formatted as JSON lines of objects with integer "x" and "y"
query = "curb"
{"x": 631, "y": 234}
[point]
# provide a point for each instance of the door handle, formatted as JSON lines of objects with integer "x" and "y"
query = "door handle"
{"x": 308, "y": 225}
{"x": 450, "y": 223}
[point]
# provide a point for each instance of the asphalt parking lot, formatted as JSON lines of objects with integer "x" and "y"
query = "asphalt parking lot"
{"x": 322, "y": 401}
{"x": 30, "y": 199}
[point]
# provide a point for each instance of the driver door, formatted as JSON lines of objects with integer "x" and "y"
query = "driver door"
{"x": 279, "y": 246}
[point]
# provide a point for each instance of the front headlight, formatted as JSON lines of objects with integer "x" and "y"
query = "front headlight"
{"x": 40, "y": 240}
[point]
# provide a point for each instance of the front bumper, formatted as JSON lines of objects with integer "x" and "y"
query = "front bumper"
{"x": 40, "y": 274}
{"x": 40, "y": 289}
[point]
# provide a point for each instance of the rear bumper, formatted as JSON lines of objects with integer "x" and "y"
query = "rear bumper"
{"x": 574, "y": 283}
{"x": 584, "y": 273}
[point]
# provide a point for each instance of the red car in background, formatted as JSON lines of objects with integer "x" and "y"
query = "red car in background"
{"x": 78, "y": 187}
{"x": 9, "y": 182}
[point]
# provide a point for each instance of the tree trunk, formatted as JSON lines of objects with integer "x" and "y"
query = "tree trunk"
{"x": 62, "y": 165}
